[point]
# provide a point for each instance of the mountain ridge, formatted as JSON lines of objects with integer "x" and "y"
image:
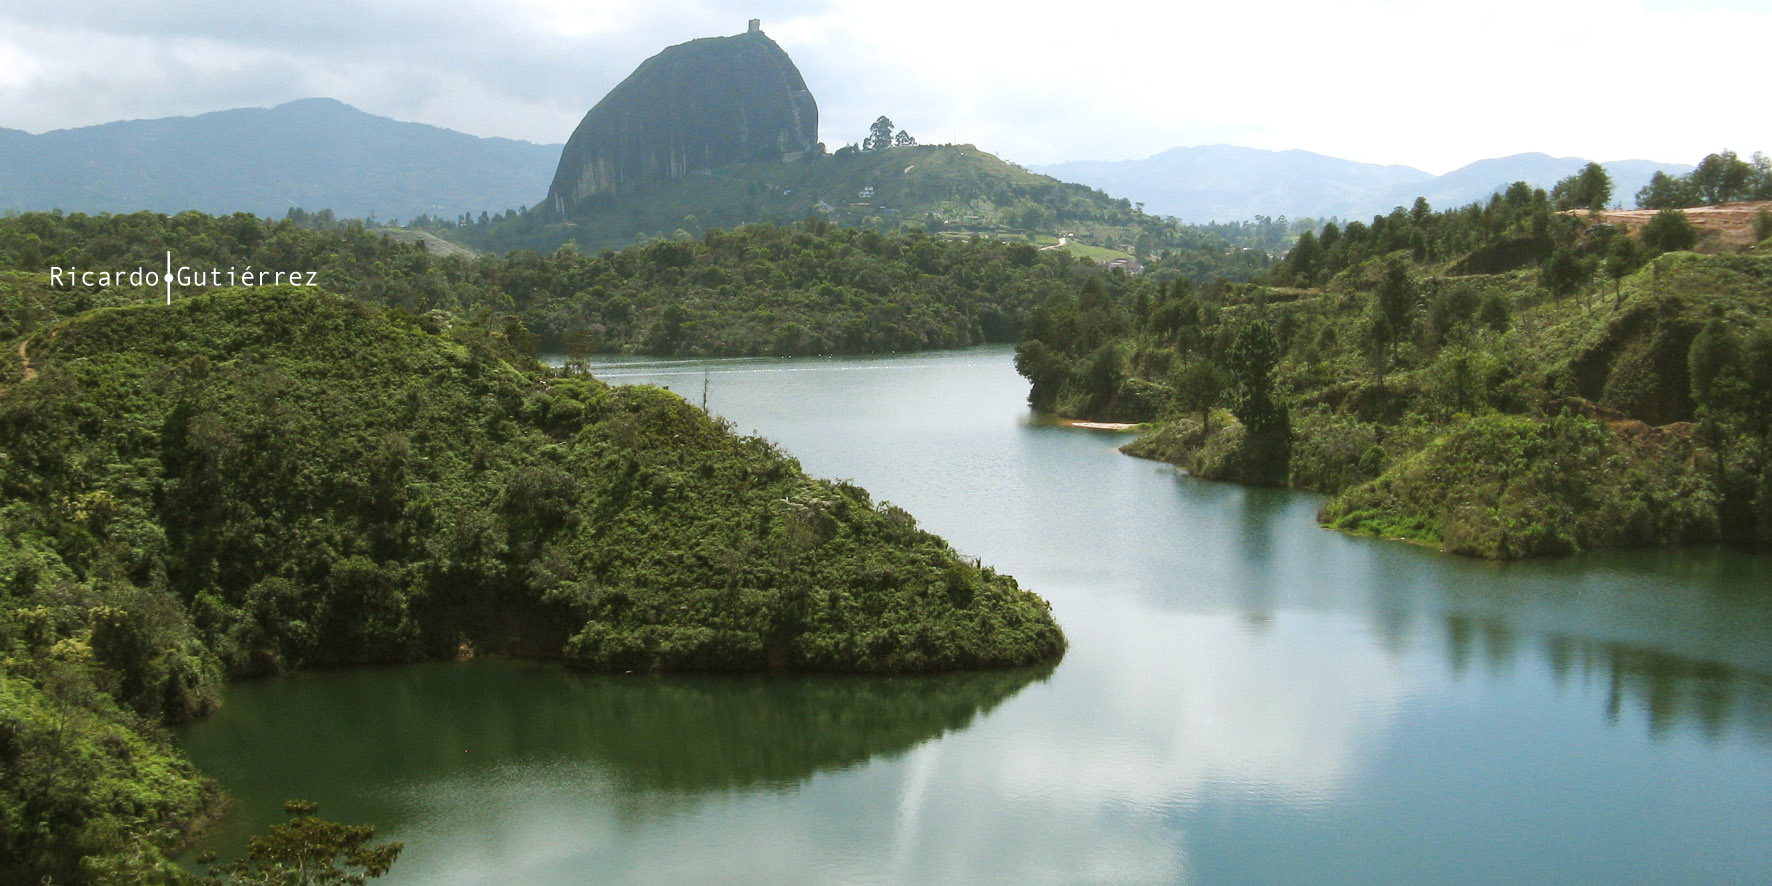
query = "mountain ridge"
{"x": 1247, "y": 182}
{"x": 375, "y": 165}
{"x": 315, "y": 153}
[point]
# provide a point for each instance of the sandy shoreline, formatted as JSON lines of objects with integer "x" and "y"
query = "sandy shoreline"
{"x": 1098, "y": 425}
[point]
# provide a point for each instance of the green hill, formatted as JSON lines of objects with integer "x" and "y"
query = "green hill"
{"x": 257, "y": 480}
{"x": 1500, "y": 380}
{"x": 950, "y": 190}
{"x": 761, "y": 289}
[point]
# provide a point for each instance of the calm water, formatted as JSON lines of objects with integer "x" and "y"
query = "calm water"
{"x": 1247, "y": 699}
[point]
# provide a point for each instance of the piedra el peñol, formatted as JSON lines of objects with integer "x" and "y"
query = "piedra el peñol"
{"x": 694, "y": 107}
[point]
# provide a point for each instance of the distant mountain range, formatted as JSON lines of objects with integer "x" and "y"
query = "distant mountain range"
{"x": 315, "y": 153}
{"x": 1228, "y": 183}
{"x": 322, "y": 154}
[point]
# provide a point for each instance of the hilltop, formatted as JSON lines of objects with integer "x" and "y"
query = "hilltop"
{"x": 1728, "y": 227}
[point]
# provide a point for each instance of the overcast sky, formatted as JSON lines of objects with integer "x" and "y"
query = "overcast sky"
{"x": 1429, "y": 84}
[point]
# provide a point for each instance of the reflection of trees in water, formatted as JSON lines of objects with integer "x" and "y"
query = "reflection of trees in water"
{"x": 1666, "y": 690}
{"x": 675, "y": 733}
{"x": 696, "y": 734}
{"x": 1671, "y": 690}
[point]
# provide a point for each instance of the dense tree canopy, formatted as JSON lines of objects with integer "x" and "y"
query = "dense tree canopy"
{"x": 1591, "y": 188}
{"x": 879, "y": 135}
{"x": 1418, "y": 360}
{"x": 760, "y": 290}
{"x": 250, "y": 481}
{"x": 1722, "y": 177}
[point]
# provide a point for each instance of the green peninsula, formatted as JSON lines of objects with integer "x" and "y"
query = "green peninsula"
{"x": 253, "y": 481}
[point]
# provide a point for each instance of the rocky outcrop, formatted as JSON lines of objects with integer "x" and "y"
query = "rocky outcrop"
{"x": 693, "y": 107}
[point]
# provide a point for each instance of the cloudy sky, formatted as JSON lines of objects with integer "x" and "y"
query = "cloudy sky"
{"x": 1429, "y": 84}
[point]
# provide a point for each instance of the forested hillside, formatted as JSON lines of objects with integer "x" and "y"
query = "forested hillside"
{"x": 759, "y": 290}
{"x": 251, "y": 481}
{"x": 1504, "y": 379}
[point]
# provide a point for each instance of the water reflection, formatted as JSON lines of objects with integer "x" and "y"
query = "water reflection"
{"x": 1253, "y": 699}
{"x": 1680, "y": 636}
{"x": 1247, "y": 698}
{"x": 387, "y": 732}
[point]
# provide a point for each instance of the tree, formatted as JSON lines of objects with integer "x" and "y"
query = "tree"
{"x": 1563, "y": 273}
{"x": 879, "y": 135}
{"x": 1199, "y": 387}
{"x": 1449, "y": 307}
{"x": 1669, "y": 231}
{"x": 1621, "y": 258}
{"x": 1267, "y": 437}
{"x": 1762, "y": 224}
{"x": 903, "y": 139}
{"x": 1046, "y": 369}
{"x": 1253, "y": 355}
{"x": 1304, "y": 258}
{"x": 309, "y": 851}
{"x": 1714, "y": 350}
{"x": 1721, "y": 178}
{"x": 1590, "y": 189}
{"x": 1392, "y": 305}
{"x": 1756, "y": 379}
{"x": 1103, "y": 375}
{"x": 1667, "y": 192}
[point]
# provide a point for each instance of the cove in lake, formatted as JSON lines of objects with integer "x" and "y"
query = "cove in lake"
{"x": 1247, "y": 698}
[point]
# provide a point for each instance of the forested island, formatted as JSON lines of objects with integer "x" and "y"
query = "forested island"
{"x": 1506, "y": 379}
{"x": 250, "y": 481}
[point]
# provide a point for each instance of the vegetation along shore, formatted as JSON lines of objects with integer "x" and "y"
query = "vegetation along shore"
{"x": 1516, "y": 377}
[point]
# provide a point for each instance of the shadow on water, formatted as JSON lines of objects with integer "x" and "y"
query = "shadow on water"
{"x": 1668, "y": 638}
{"x": 1664, "y": 691}
{"x": 350, "y": 739}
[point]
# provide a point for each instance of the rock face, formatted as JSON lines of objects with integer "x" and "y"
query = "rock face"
{"x": 693, "y": 107}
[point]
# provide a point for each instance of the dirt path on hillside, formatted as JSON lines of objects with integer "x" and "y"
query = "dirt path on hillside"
{"x": 25, "y": 359}
{"x": 1732, "y": 223}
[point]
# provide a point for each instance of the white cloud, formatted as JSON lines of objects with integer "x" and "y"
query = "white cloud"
{"x": 1428, "y": 84}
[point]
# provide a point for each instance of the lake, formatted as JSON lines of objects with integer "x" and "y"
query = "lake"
{"x": 1247, "y": 697}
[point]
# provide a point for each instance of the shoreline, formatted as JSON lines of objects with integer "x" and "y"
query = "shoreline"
{"x": 1099, "y": 425}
